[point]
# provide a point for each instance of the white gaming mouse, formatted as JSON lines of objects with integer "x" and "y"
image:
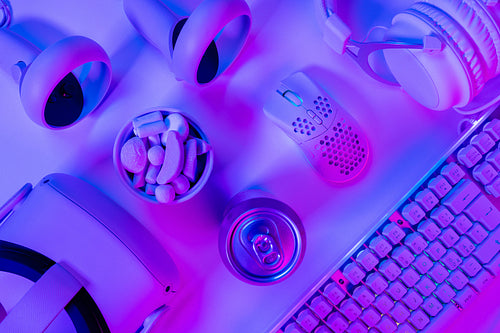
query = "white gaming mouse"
{"x": 330, "y": 137}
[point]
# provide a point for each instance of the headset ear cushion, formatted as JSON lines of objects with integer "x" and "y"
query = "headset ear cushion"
{"x": 437, "y": 81}
{"x": 479, "y": 25}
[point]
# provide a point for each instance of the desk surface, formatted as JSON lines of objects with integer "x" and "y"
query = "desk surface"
{"x": 406, "y": 140}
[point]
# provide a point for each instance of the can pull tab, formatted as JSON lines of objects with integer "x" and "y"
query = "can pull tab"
{"x": 267, "y": 250}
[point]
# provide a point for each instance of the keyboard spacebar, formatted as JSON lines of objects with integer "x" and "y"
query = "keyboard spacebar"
{"x": 443, "y": 320}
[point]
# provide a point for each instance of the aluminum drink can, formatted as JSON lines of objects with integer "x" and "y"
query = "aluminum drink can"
{"x": 261, "y": 240}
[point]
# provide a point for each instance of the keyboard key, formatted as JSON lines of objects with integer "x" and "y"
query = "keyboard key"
{"x": 387, "y": 325}
{"x": 380, "y": 246}
{"x": 406, "y": 328}
{"x": 321, "y": 306}
{"x": 426, "y": 199}
{"x": 337, "y": 322}
{"x": 481, "y": 280}
{"x": 409, "y": 277}
{"x": 400, "y": 312}
{"x": 494, "y": 188}
{"x": 396, "y": 290}
{"x": 413, "y": 213}
{"x": 307, "y": 320}
{"x": 432, "y": 306}
{"x": 494, "y": 158}
{"x": 484, "y": 173}
{"x": 403, "y": 256}
{"x": 461, "y": 224}
{"x": 412, "y": 299}
{"x": 425, "y": 286}
{"x": 422, "y": 264}
{"x": 482, "y": 210}
{"x": 439, "y": 186}
{"x": 350, "y": 309}
{"x": 445, "y": 293}
{"x": 370, "y": 316}
{"x": 416, "y": 242}
{"x": 493, "y": 129}
{"x": 383, "y": 303}
{"x": 458, "y": 280}
{"x": 451, "y": 260}
{"x": 429, "y": 230}
{"x": 393, "y": 233}
{"x": 334, "y": 293}
{"x": 389, "y": 269}
{"x": 489, "y": 248}
{"x": 293, "y": 328}
{"x": 321, "y": 329}
{"x": 465, "y": 297}
{"x": 477, "y": 233}
{"x": 435, "y": 250}
{"x": 357, "y": 327}
{"x": 483, "y": 142}
{"x": 470, "y": 266}
{"x": 453, "y": 173}
{"x": 469, "y": 156}
{"x": 461, "y": 196}
{"x": 363, "y": 296}
{"x": 419, "y": 319}
{"x": 464, "y": 246}
{"x": 448, "y": 237}
{"x": 367, "y": 259}
{"x": 353, "y": 273}
{"x": 442, "y": 216}
{"x": 494, "y": 265}
{"x": 438, "y": 273}
{"x": 376, "y": 282}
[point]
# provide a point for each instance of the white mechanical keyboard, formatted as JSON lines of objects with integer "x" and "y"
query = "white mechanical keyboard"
{"x": 426, "y": 260}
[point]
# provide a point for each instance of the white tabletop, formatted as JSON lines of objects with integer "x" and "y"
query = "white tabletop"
{"x": 406, "y": 140}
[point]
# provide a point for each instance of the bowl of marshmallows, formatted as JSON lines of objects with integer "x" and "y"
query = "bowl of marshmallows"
{"x": 163, "y": 156}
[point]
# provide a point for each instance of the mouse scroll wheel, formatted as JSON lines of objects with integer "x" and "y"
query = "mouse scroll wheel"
{"x": 293, "y": 98}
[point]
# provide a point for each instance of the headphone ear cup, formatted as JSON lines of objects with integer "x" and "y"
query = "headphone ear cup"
{"x": 436, "y": 80}
{"x": 480, "y": 27}
{"x": 439, "y": 80}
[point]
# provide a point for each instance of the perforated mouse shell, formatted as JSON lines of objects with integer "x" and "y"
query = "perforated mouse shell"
{"x": 65, "y": 82}
{"x": 340, "y": 153}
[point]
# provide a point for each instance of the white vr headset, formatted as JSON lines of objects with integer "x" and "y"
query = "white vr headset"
{"x": 60, "y": 85}
{"x": 198, "y": 47}
{"x": 71, "y": 260}
{"x": 443, "y": 53}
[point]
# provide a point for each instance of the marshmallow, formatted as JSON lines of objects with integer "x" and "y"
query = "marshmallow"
{"x": 152, "y": 173}
{"x": 165, "y": 193}
{"x": 156, "y": 155}
{"x": 176, "y": 122}
{"x": 133, "y": 155}
{"x": 150, "y": 189}
{"x": 146, "y": 119}
{"x": 154, "y": 140}
{"x": 151, "y": 129}
{"x": 190, "y": 162}
{"x": 174, "y": 158}
{"x": 180, "y": 184}
{"x": 201, "y": 146}
{"x": 138, "y": 180}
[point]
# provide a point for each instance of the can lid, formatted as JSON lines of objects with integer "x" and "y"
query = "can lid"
{"x": 265, "y": 240}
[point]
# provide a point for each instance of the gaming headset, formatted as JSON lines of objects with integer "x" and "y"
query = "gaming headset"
{"x": 60, "y": 85}
{"x": 199, "y": 47}
{"x": 443, "y": 53}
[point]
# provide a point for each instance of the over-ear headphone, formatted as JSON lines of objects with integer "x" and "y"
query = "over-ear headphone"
{"x": 199, "y": 47}
{"x": 60, "y": 85}
{"x": 441, "y": 52}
